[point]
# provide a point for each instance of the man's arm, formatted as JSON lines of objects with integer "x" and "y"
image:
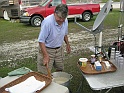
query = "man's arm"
{"x": 68, "y": 48}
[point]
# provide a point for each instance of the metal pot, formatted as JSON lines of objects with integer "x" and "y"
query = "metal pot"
{"x": 62, "y": 78}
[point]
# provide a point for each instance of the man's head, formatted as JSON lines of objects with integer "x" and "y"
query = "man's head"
{"x": 61, "y": 12}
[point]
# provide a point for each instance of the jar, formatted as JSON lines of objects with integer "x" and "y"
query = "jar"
{"x": 100, "y": 56}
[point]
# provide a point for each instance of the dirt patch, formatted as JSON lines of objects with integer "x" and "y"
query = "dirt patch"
{"x": 80, "y": 40}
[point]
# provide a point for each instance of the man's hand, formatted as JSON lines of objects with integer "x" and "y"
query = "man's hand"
{"x": 46, "y": 60}
{"x": 68, "y": 48}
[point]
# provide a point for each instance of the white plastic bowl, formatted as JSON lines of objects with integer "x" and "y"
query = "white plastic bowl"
{"x": 62, "y": 78}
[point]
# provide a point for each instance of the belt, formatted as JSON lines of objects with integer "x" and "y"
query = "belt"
{"x": 53, "y": 48}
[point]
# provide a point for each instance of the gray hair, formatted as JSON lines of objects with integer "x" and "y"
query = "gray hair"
{"x": 61, "y": 10}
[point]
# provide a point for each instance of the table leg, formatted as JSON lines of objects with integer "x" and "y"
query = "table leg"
{"x": 106, "y": 91}
{"x": 121, "y": 89}
{"x": 80, "y": 87}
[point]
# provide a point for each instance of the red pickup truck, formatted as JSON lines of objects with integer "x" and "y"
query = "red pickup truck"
{"x": 35, "y": 15}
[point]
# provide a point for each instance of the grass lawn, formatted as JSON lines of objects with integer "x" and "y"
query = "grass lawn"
{"x": 15, "y": 32}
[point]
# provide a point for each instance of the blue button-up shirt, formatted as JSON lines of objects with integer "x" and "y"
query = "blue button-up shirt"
{"x": 51, "y": 33}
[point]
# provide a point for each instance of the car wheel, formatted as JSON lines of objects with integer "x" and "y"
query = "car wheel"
{"x": 36, "y": 21}
{"x": 86, "y": 16}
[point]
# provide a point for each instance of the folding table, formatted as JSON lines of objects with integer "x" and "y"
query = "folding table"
{"x": 104, "y": 81}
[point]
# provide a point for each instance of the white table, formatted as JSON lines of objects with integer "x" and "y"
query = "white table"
{"x": 52, "y": 88}
{"x": 106, "y": 80}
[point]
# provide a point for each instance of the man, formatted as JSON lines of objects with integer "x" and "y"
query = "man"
{"x": 54, "y": 30}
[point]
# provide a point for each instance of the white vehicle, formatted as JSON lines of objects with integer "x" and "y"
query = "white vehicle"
{"x": 12, "y": 8}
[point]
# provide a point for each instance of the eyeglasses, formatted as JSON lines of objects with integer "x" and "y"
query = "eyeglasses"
{"x": 59, "y": 18}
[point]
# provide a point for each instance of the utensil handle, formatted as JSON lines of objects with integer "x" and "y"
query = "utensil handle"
{"x": 49, "y": 72}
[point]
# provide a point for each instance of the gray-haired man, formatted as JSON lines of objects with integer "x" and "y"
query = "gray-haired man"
{"x": 54, "y": 30}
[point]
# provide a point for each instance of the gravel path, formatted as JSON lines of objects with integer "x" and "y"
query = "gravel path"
{"x": 80, "y": 40}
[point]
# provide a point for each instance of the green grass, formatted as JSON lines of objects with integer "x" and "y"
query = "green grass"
{"x": 8, "y": 66}
{"x": 112, "y": 0}
{"x": 15, "y": 32}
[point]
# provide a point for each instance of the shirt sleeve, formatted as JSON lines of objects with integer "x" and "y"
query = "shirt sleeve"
{"x": 43, "y": 32}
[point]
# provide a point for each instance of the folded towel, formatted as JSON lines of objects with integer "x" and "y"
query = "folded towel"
{"x": 19, "y": 71}
{"x": 30, "y": 85}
